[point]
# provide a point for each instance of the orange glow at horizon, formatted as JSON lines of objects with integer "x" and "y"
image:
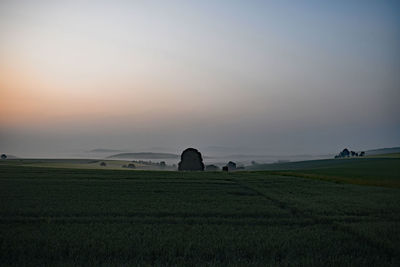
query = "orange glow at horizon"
{"x": 28, "y": 96}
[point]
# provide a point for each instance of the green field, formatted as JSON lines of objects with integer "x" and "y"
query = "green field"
{"x": 63, "y": 217}
{"x": 94, "y": 164}
{"x": 379, "y": 170}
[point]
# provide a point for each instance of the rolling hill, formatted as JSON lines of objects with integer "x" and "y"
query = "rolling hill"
{"x": 380, "y": 151}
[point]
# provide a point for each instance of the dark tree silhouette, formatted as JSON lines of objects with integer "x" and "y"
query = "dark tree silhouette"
{"x": 345, "y": 153}
{"x": 212, "y": 168}
{"x": 231, "y": 165}
{"x": 102, "y": 164}
{"x": 3, "y": 156}
{"x": 191, "y": 160}
{"x": 163, "y": 164}
{"x": 225, "y": 168}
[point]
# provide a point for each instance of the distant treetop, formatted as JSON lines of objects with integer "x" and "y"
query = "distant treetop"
{"x": 345, "y": 153}
{"x": 191, "y": 160}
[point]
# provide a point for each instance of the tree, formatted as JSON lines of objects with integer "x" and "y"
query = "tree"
{"x": 131, "y": 166}
{"x": 353, "y": 153}
{"x": 231, "y": 165}
{"x": 3, "y": 156}
{"x": 163, "y": 164}
{"x": 103, "y": 164}
{"x": 345, "y": 153}
{"x": 191, "y": 160}
{"x": 362, "y": 154}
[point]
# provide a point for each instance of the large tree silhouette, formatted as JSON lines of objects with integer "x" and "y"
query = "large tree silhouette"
{"x": 191, "y": 160}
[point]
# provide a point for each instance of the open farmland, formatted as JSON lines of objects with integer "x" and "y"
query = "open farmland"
{"x": 93, "y": 164}
{"x": 59, "y": 216}
{"x": 379, "y": 170}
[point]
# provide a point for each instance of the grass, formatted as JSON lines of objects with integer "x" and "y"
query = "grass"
{"x": 389, "y": 155}
{"x": 64, "y": 217}
{"x": 375, "y": 171}
{"x": 79, "y": 164}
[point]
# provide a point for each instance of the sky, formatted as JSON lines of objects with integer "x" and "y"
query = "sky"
{"x": 259, "y": 77}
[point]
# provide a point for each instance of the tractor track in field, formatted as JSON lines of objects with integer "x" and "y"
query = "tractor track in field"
{"x": 336, "y": 225}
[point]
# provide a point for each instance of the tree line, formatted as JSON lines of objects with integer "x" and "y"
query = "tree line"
{"x": 345, "y": 153}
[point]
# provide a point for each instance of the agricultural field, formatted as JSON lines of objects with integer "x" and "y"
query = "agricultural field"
{"x": 68, "y": 216}
{"x": 377, "y": 170}
{"x": 94, "y": 164}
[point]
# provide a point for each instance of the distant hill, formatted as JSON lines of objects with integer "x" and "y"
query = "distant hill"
{"x": 296, "y": 165}
{"x": 385, "y": 156}
{"x": 145, "y": 155}
{"x": 104, "y": 150}
{"x": 323, "y": 164}
{"x": 383, "y": 151}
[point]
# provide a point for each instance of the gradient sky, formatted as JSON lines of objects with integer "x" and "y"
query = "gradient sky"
{"x": 270, "y": 77}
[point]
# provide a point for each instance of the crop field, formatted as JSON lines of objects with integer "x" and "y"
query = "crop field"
{"x": 380, "y": 170}
{"x": 68, "y": 217}
{"x": 93, "y": 164}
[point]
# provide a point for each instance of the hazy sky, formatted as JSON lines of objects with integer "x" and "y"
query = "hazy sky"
{"x": 271, "y": 77}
